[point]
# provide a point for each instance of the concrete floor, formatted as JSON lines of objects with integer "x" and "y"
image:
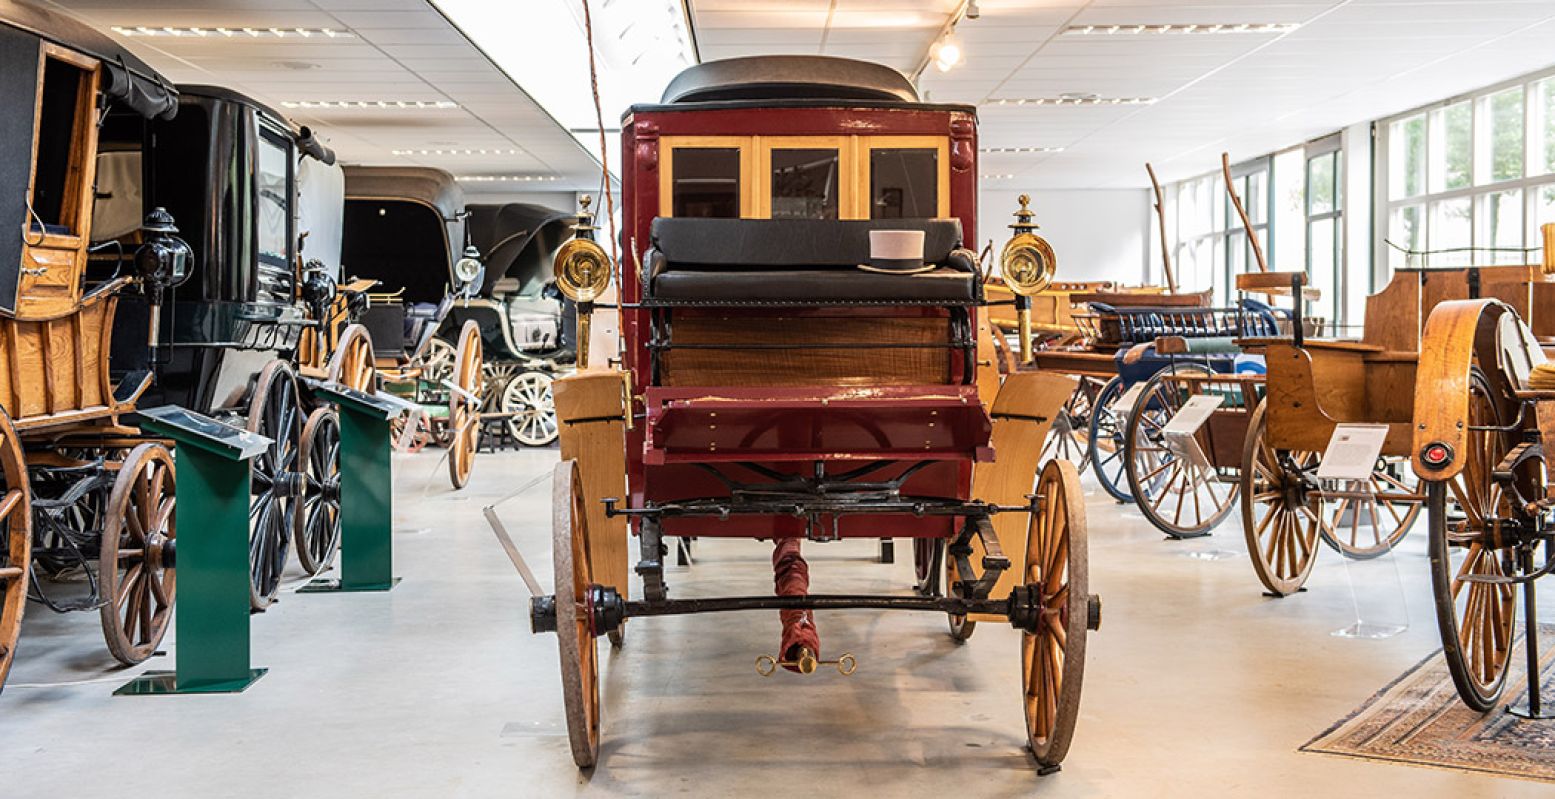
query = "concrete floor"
{"x": 1196, "y": 685}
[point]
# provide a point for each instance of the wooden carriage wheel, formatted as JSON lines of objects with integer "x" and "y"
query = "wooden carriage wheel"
{"x": 1391, "y": 516}
{"x": 961, "y": 627}
{"x": 1476, "y": 619}
{"x": 1052, "y": 659}
{"x": 15, "y": 542}
{"x": 464, "y": 413}
{"x": 351, "y": 364}
{"x": 574, "y": 632}
{"x": 1069, "y": 437}
{"x": 274, "y": 411}
{"x": 316, "y": 523}
{"x": 1182, "y": 499}
{"x": 137, "y": 575}
{"x": 1280, "y": 517}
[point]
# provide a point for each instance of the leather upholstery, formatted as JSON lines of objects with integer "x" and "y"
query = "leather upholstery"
{"x": 800, "y": 261}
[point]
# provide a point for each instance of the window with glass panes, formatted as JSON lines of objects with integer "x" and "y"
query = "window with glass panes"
{"x": 1209, "y": 242}
{"x": 1471, "y": 179}
{"x": 1325, "y": 224}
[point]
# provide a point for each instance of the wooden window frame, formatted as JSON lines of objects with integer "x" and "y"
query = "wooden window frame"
{"x": 847, "y": 174}
{"x": 746, "y": 146}
{"x": 866, "y": 145}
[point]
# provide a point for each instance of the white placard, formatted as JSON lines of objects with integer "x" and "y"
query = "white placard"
{"x": 1194, "y": 413}
{"x": 1125, "y": 404}
{"x": 1352, "y": 452}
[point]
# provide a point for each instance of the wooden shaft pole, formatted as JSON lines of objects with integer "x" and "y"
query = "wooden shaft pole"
{"x": 1247, "y": 223}
{"x": 1160, "y": 212}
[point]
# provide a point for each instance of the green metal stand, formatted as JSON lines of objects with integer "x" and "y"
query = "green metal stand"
{"x": 212, "y": 651}
{"x": 366, "y": 492}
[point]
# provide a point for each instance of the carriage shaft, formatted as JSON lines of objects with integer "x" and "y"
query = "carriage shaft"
{"x": 953, "y": 605}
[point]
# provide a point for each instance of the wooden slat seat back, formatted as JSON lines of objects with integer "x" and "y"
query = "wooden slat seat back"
{"x": 54, "y": 371}
{"x": 1313, "y": 388}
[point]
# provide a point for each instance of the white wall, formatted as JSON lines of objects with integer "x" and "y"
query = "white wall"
{"x": 1097, "y": 235}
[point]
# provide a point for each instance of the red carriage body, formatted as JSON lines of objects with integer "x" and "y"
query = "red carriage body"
{"x": 792, "y": 409}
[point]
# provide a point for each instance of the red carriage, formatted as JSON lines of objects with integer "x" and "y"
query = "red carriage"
{"x": 773, "y": 385}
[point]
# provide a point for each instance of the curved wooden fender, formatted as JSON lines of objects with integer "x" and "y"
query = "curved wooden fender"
{"x": 1022, "y": 413}
{"x": 1447, "y": 350}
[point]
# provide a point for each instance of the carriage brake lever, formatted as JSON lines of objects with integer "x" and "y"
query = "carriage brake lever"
{"x": 767, "y": 665}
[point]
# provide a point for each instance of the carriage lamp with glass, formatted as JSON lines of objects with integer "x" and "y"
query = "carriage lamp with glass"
{"x": 162, "y": 263}
{"x": 583, "y": 274}
{"x": 1028, "y": 264}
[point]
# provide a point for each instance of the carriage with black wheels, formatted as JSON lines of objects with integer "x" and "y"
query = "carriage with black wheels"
{"x": 410, "y": 265}
{"x": 232, "y": 170}
{"x": 800, "y": 365}
{"x": 527, "y": 325}
{"x": 86, "y": 504}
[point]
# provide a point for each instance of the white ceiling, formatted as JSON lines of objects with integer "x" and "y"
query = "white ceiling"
{"x": 1249, "y": 94}
{"x": 402, "y": 50}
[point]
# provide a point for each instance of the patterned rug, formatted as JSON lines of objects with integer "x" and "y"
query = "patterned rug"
{"x": 1419, "y": 720}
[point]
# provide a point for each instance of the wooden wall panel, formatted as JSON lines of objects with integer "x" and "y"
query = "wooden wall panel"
{"x": 851, "y": 361}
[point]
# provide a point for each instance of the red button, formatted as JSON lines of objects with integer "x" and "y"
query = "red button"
{"x": 1435, "y": 455}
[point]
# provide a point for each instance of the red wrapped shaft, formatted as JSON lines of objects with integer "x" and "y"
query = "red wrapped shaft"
{"x": 791, "y": 577}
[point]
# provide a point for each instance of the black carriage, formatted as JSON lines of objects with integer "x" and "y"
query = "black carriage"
{"x": 528, "y": 327}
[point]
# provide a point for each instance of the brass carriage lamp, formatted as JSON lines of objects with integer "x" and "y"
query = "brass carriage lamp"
{"x": 162, "y": 263}
{"x": 582, "y": 271}
{"x": 1027, "y": 263}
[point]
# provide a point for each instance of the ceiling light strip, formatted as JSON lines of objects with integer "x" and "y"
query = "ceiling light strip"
{"x": 1021, "y": 150}
{"x": 149, "y": 31}
{"x": 372, "y": 105}
{"x": 1059, "y": 101}
{"x": 508, "y": 178}
{"x": 467, "y": 151}
{"x": 1185, "y": 30}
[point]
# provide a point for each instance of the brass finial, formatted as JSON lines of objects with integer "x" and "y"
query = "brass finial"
{"x": 1024, "y": 216}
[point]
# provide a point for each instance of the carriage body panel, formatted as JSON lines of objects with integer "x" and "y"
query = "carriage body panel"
{"x": 789, "y": 385}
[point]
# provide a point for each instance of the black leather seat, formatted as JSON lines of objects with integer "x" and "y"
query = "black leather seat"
{"x": 732, "y": 262}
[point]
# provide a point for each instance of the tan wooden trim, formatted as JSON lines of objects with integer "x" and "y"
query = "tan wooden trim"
{"x": 863, "y": 144}
{"x": 745, "y": 144}
{"x": 847, "y": 170}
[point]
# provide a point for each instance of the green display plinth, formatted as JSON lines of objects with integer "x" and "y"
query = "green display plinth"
{"x": 212, "y": 491}
{"x": 366, "y": 491}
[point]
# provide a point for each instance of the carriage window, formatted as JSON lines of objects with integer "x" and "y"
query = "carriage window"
{"x": 904, "y": 183}
{"x": 58, "y": 145}
{"x": 274, "y": 204}
{"x": 805, "y": 183}
{"x": 706, "y": 182}
{"x": 117, "y": 208}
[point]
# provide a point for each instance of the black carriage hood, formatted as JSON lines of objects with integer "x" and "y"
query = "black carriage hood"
{"x": 127, "y": 80}
{"x": 423, "y": 185}
{"x": 517, "y": 239}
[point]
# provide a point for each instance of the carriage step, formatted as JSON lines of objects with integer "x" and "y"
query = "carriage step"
{"x": 806, "y": 663}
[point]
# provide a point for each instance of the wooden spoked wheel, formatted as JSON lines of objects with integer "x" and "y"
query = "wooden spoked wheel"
{"x": 1476, "y": 618}
{"x": 574, "y": 630}
{"x": 316, "y": 523}
{"x": 1108, "y": 455}
{"x": 532, "y": 409}
{"x": 1282, "y": 513}
{"x": 137, "y": 570}
{"x": 1181, "y": 498}
{"x": 1052, "y": 658}
{"x": 273, "y": 412}
{"x": 464, "y": 406}
{"x": 1068, "y": 438}
{"x": 438, "y": 364}
{"x": 15, "y": 542}
{"x": 351, "y": 364}
{"x": 1365, "y": 530}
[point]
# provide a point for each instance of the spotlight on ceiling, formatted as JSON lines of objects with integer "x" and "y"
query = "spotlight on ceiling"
{"x": 947, "y": 54}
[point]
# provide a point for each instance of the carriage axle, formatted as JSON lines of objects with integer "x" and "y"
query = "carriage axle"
{"x": 606, "y": 609}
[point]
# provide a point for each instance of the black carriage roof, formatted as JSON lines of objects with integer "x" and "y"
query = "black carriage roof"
{"x": 127, "y": 80}
{"x": 791, "y": 81}
{"x": 504, "y": 235}
{"x": 306, "y": 141}
{"x": 421, "y": 184}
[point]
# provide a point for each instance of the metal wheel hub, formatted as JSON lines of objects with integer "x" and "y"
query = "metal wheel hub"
{"x": 289, "y": 484}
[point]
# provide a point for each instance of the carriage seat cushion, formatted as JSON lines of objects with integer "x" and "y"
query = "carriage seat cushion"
{"x": 759, "y": 261}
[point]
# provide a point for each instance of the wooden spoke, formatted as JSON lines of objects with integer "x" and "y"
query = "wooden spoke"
{"x": 1185, "y": 502}
{"x": 316, "y": 521}
{"x": 574, "y": 578}
{"x": 351, "y": 364}
{"x": 132, "y": 572}
{"x": 1280, "y": 521}
{"x": 1476, "y": 618}
{"x": 463, "y": 412}
{"x": 1069, "y": 436}
{"x": 1053, "y": 655}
